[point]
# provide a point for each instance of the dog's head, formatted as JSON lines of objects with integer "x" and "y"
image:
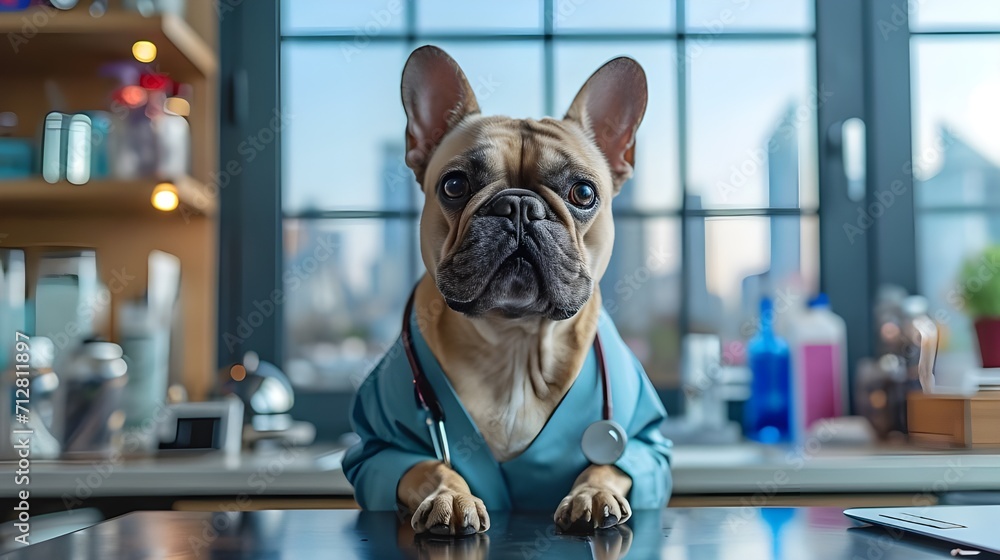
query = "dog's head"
{"x": 517, "y": 216}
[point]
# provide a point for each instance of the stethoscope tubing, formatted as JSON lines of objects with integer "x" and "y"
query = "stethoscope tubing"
{"x": 426, "y": 398}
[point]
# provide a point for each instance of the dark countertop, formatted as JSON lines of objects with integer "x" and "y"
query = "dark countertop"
{"x": 701, "y": 534}
{"x": 734, "y": 469}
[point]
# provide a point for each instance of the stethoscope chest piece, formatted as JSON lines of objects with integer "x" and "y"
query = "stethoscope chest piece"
{"x": 604, "y": 442}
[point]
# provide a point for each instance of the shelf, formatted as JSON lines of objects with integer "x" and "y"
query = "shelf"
{"x": 53, "y": 60}
{"x": 46, "y": 40}
{"x": 34, "y": 197}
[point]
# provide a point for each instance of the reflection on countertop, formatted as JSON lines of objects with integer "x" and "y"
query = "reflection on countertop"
{"x": 702, "y": 533}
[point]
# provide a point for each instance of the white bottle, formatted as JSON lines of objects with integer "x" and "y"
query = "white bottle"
{"x": 818, "y": 342}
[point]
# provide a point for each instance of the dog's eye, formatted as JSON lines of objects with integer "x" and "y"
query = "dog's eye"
{"x": 583, "y": 195}
{"x": 455, "y": 185}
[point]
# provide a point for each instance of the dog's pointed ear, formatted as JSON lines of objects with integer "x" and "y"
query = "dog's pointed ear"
{"x": 610, "y": 107}
{"x": 436, "y": 96}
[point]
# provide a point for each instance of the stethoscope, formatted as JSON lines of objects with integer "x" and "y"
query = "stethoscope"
{"x": 603, "y": 442}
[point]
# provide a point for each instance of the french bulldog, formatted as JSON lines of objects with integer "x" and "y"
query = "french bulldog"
{"x": 515, "y": 233}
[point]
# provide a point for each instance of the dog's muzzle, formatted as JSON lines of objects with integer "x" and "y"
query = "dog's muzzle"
{"x": 520, "y": 206}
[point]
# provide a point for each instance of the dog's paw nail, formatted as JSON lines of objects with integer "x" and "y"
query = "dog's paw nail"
{"x": 580, "y": 527}
{"x": 440, "y": 529}
{"x": 447, "y": 531}
{"x": 608, "y": 520}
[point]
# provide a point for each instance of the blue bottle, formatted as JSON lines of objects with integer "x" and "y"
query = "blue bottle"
{"x": 768, "y": 413}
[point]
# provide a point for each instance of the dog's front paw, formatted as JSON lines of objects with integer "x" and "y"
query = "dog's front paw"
{"x": 589, "y": 507}
{"x": 451, "y": 513}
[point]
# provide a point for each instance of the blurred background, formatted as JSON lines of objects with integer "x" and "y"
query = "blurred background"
{"x": 208, "y": 233}
{"x": 725, "y": 205}
{"x": 714, "y": 102}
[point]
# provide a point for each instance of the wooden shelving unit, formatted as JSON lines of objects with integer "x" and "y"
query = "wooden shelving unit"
{"x": 53, "y": 60}
{"x": 75, "y": 40}
{"x": 110, "y": 197}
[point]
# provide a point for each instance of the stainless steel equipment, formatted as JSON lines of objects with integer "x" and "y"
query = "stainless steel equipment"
{"x": 268, "y": 398}
{"x": 89, "y": 417}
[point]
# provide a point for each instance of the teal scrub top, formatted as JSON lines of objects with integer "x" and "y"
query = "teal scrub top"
{"x": 395, "y": 437}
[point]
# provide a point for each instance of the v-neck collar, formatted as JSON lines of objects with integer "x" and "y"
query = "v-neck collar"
{"x": 577, "y": 401}
{"x": 470, "y": 454}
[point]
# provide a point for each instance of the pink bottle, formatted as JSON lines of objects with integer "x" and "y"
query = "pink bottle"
{"x": 818, "y": 340}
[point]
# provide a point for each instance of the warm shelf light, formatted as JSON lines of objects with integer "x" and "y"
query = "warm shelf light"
{"x": 144, "y": 51}
{"x": 133, "y": 96}
{"x": 238, "y": 372}
{"x": 165, "y": 197}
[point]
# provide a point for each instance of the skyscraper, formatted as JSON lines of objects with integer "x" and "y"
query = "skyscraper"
{"x": 393, "y": 269}
{"x": 704, "y": 308}
{"x": 783, "y": 192}
{"x": 618, "y": 285}
{"x": 782, "y": 148}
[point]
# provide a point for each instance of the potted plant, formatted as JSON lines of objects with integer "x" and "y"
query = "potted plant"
{"x": 980, "y": 289}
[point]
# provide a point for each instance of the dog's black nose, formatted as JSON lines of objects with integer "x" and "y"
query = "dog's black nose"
{"x": 517, "y": 205}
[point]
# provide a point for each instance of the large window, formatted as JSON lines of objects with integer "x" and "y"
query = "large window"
{"x": 723, "y": 206}
{"x": 955, "y": 59}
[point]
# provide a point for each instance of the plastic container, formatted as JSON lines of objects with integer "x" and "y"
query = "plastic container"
{"x": 768, "y": 414}
{"x": 818, "y": 341}
{"x": 173, "y": 146}
{"x": 66, "y": 145}
{"x": 100, "y": 151}
{"x": 146, "y": 345}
